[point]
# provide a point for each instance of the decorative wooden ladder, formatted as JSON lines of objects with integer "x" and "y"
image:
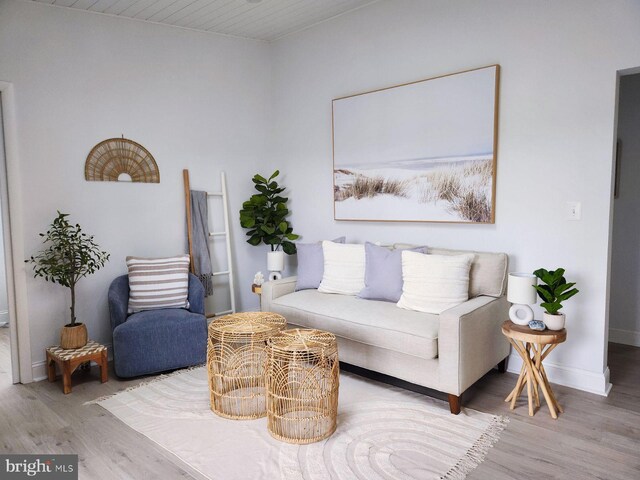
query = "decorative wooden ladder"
{"x": 225, "y": 233}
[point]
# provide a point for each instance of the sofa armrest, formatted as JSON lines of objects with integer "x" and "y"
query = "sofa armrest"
{"x": 274, "y": 289}
{"x": 470, "y": 341}
{"x": 196, "y": 295}
{"x": 118, "y": 299}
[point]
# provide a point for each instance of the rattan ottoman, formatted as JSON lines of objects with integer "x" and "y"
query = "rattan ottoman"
{"x": 236, "y": 360}
{"x": 302, "y": 385}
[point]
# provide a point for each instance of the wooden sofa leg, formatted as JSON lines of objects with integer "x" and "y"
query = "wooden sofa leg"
{"x": 502, "y": 366}
{"x": 454, "y": 404}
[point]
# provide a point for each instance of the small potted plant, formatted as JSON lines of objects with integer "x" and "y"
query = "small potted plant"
{"x": 264, "y": 214}
{"x": 554, "y": 290}
{"x": 70, "y": 255}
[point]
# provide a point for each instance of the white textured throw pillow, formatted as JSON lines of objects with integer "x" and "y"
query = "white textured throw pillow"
{"x": 343, "y": 268}
{"x": 158, "y": 283}
{"x": 434, "y": 283}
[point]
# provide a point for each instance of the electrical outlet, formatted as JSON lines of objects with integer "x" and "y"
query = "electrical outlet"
{"x": 574, "y": 210}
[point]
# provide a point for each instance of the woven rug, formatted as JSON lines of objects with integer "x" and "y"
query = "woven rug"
{"x": 383, "y": 432}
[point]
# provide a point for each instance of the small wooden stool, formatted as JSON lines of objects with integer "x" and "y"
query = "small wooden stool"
{"x": 533, "y": 346}
{"x": 70, "y": 360}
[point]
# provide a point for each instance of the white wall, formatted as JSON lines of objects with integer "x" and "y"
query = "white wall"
{"x": 194, "y": 100}
{"x": 559, "y": 63}
{"x": 624, "y": 325}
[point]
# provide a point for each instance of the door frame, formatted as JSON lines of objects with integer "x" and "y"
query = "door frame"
{"x": 11, "y": 205}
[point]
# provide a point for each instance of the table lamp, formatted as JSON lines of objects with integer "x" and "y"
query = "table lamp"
{"x": 521, "y": 293}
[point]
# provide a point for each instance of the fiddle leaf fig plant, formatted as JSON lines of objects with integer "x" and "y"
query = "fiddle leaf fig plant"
{"x": 264, "y": 214}
{"x": 70, "y": 255}
{"x": 554, "y": 289}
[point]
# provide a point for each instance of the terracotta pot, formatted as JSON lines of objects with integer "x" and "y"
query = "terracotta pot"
{"x": 73, "y": 336}
{"x": 554, "y": 322}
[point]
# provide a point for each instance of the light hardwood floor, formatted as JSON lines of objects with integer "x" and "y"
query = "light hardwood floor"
{"x": 596, "y": 437}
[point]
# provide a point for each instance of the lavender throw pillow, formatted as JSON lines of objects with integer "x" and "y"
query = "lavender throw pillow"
{"x": 311, "y": 264}
{"x": 383, "y": 273}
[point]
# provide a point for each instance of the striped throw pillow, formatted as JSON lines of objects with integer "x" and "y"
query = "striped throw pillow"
{"x": 158, "y": 283}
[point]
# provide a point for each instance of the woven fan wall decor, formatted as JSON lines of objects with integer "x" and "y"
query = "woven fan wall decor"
{"x": 115, "y": 156}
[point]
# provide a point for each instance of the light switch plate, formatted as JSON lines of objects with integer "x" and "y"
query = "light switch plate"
{"x": 574, "y": 210}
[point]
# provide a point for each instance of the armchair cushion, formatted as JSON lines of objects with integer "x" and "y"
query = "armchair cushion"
{"x": 157, "y": 340}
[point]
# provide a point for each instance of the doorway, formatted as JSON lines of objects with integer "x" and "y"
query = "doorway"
{"x": 624, "y": 303}
{"x": 6, "y": 369}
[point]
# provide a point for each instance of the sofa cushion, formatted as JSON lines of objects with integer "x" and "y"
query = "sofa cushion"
{"x": 488, "y": 275}
{"x": 434, "y": 283}
{"x": 383, "y": 273}
{"x": 376, "y": 323}
{"x": 343, "y": 268}
{"x": 311, "y": 264}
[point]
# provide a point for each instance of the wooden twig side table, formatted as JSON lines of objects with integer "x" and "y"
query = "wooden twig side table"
{"x": 533, "y": 346}
{"x": 71, "y": 359}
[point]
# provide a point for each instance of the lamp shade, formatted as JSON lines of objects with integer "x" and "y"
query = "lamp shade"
{"x": 520, "y": 289}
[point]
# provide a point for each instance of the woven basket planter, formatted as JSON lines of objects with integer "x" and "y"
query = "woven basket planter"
{"x": 73, "y": 336}
{"x": 303, "y": 377}
{"x": 236, "y": 361}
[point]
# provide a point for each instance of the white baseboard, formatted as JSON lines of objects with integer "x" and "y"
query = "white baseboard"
{"x": 39, "y": 369}
{"x": 592, "y": 382}
{"x": 626, "y": 337}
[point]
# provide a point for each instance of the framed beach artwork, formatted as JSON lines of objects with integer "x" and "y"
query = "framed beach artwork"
{"x": 424, "y": 151}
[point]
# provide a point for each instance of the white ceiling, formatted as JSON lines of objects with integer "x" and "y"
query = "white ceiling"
{"x": 262, "y": 20}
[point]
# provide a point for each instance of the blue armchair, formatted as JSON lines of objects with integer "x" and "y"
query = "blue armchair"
{"x": 154, "y": 341}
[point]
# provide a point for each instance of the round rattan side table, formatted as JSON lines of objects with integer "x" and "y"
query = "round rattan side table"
{"x": 303, "y": 376}
{"x": 236, "y": 361}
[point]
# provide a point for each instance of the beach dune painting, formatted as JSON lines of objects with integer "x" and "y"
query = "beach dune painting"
{"x": 424, "y": 151}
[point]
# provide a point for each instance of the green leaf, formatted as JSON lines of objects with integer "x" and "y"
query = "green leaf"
{"x": 255, "y": 240}
{"x": 563, "y": 287}
{"x": 268, "y": 229}
{"x": 259, "y": 178}
{"x": 567, "y": 295}
{"x": 274, "y": 175}
{"x": 544, "y": 291}
{"x": 288, "y": 247}
{"x": 551, "y": 307}
{"x": 272, "y": 240}
{"x": 247, "y": 222}
{"x": 258, "y": 200}
{"x": 283, "y": 227}
{"x": 292, "y": 236}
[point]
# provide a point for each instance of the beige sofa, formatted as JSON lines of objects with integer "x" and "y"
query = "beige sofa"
{"x": 446, "y": 352}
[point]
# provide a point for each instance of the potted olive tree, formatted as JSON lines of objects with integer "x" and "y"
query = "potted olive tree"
{"x": 70, "y": 255}
{"x": 554, "y": 290}
{"x": 264, "y": 214}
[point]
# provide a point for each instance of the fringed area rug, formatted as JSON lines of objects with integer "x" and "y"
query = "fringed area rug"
{"x": 383, "y": 432}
